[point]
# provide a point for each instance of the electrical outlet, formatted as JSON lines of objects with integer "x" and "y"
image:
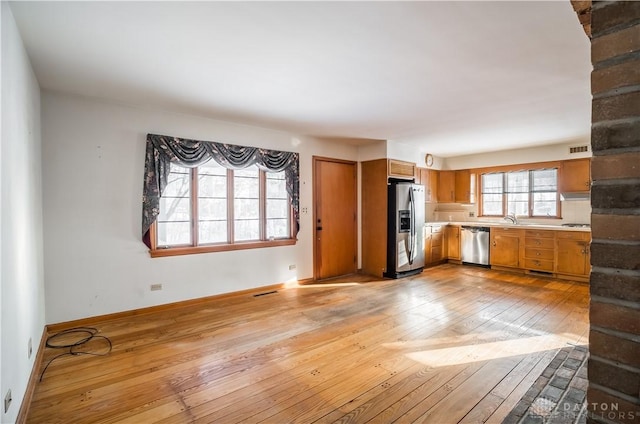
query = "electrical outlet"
{"x": 7, "y": 401}
{"x": 472, "y": 214}
{"x": 305, "y": 210}
{"x": 292, "y": 267}
{"x": 29, "y": 348}
{"x": 155, "y": 287}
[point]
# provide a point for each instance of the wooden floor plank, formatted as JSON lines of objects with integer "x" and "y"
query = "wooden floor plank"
{"x": 356, "y": 350}
{"x": 511, "y": 400}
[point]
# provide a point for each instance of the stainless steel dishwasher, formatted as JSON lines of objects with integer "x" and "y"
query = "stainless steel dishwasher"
{"x": 474, "y": 245}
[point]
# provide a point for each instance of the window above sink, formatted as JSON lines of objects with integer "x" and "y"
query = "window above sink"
{"x": 531, "y": 193}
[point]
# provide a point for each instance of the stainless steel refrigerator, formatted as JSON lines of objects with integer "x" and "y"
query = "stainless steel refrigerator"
{"x": 405, "y": 229}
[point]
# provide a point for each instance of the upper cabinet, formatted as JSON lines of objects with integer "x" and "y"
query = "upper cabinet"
{"x": 401, "y": 169}
{"x": 463, "y": 186}
{"x": 429, "y": 179}
{"x": 455, "y": 186}
{"x": 432, "y": 185}
{"x": 575, "y": 176}
{"x": 447, "y": 187}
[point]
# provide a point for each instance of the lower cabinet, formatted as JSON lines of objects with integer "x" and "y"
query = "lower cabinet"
{"x": 563, "y": 254}
{"x": 573, "y": 253}
{"x": 434, "y": 251}
{"x": 452, "y": 238}
{"x": 505, "y": 247}
{"x": 539, "y": 253}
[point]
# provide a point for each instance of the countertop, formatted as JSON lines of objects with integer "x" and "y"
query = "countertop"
{"x": 524, "y": 226}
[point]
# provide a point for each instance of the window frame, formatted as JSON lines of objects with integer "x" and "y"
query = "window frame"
{"x": 531, "y": 192}
{"x": 194, "y": 247}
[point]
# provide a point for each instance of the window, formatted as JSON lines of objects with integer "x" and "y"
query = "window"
{"x": 211, "y": 208}
{"x": 544, "y": 192}
{"x": 517, "y": 193}
{"x": 492, "y": 190}
{"x": 212, "y": 203}
{"x": 530, "y": 193}
{"x": 174, "y": 221}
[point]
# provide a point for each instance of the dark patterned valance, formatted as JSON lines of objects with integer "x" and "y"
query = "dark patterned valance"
{"x": 164, "y": 150}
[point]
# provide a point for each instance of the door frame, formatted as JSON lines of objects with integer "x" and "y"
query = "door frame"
{"x": 316, "y": 187}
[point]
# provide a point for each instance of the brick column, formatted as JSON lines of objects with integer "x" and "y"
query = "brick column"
{"x": 614, "y": 341}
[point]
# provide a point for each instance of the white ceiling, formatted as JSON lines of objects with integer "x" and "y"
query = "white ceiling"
{"x": 449, "y": 78}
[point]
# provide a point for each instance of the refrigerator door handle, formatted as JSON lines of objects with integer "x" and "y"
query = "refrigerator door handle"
{"x": 412, "y": 232}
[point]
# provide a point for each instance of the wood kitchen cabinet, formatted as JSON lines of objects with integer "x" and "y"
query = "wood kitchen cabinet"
{"x": 374, "y": 216}
{"x": 452, "y": 237}
{"x": 434, "y": 246}
{"x": 454, "y": 186}
{"x": 505, "y": 247}
{"x": 420, "y": 175}
{"x": 573, "y": 253}
{"x": 575, "y": 176}
{"x": 432, "y": 192}
{"x": 539, "y": 250}
{"x": 423, "y": 177}
{"x": 401, "y": 169}
{"x": 462, "y": 186}
{"x": 560, "y": 254}
{"x": 447, "y": 187}
{"x": 429, "y": 179}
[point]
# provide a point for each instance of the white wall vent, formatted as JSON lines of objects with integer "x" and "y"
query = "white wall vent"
{"x": 578, "y": 149}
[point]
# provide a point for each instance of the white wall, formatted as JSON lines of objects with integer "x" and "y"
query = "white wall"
{"x": 516, "y": 156}
{"x": 400, "y": 151}
{"x": 93, "y": 168}
{"x": 372, "y": 151}
{"x": 22, "y": 281}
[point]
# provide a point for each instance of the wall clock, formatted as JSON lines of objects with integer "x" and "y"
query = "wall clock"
{"x": 428, "y": 160}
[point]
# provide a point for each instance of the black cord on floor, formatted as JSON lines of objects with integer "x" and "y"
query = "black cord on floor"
{"x": 86, "y": 334}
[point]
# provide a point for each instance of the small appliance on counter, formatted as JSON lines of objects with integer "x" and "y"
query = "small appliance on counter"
{"x": 405, "y": 229}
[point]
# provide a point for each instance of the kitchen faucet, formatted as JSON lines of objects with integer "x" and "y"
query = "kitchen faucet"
{"x": 511, "y": 217}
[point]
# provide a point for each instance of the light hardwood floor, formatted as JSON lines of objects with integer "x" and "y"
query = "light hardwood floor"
{"x": 454, "y": 344}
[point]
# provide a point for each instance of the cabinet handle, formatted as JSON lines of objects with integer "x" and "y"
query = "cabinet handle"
{"x": 494, "y": 244}
{"x": 537, "y": 253}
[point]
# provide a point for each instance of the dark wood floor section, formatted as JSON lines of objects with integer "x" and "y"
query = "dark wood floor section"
{"x": 454, "y": 344}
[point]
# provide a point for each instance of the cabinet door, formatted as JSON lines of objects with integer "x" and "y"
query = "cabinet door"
{"x": 428, "y": 256}
{"x": 374, "y": 217}
{"x": 401, "y": 169}
{"x": 420, "y": 174}
{"x": 431, "y": 188}
{"x": 424, "y": 180}
{"x": 463, "y": 186}
{"x": 453, "y": 242}
{"x": 447, "y": 187}
{"x": 575, "y": 176}
{"x": 505, "y": 249}
{"x": 573, "y": 257}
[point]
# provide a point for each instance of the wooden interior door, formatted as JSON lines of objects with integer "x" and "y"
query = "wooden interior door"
{"x": 335, "y": 217}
